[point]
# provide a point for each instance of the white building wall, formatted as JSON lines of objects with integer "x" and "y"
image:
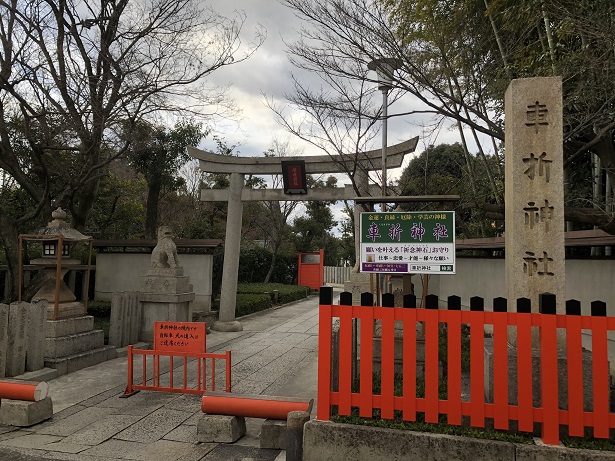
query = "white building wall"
{"x": 586, "y": 281}
{"x": 117, "y": 272}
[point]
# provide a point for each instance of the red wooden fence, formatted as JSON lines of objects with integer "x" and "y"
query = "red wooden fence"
{"x": 501, "y": 411}
{"x": 153, "y": 382}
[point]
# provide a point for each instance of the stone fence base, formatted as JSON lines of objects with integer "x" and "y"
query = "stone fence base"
{"x": 327, "y": 441}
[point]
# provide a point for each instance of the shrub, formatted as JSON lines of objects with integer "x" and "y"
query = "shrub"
{"x": 99, "y": 309}
{"x": 286, "y": 293}
{"x": 248, "y": 303}
{"x": 254, "y": 262}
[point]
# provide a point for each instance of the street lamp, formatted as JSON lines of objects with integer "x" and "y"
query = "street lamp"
{"x": 384, "y": 68}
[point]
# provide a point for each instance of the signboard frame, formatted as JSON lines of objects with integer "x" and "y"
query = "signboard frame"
{"x": 414, "y": 242}
{"x": 294, "y": 177}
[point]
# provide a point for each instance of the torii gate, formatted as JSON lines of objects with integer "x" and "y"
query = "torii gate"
{"x": 236, "y": 194}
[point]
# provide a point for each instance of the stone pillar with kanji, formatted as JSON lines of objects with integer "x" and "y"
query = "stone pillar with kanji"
{"x": 535, "y": 257}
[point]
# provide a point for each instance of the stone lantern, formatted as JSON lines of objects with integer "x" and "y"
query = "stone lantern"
{"x": 57, "y": 239}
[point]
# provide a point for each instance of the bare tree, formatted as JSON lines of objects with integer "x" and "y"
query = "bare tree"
{"x": 457, "y": 58}
{"x": 73, "y": 72}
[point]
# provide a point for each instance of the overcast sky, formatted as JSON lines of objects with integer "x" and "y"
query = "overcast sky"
{"x": 267, "y": 72}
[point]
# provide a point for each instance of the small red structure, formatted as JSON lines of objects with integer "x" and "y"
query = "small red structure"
{"x": 30, "y": 391}
{"x": 311, "y": 269}
{"x": 253, "y": 406}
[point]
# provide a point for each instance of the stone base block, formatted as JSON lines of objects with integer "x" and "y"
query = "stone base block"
{"x": 273, "y": 434}
{"x": 44, "y": 374}
{"x": 163, "y": 308}
{"x": 165, "y": 284}
{"x": 123, "y": 351}
{"x": 86, "y": 359}
{"x": 24, "y": 414}
{"x": 227, "y": 327}
{"x": 220, "y": 428}
{"x": 72, "y": 326}
{"x": 74, "y": 344}
{"x": 65, "y": 310}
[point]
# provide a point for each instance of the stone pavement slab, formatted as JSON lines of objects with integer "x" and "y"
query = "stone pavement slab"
{"x": 225, "y": 452}
{"x": 101, "y": 430}
{"x": 37, "y": 441}
{"x": 73, "y": 423}
{"x": 64, "y": 447}
{"x": 154, "y": 426}
{"x": 183, "y": 433}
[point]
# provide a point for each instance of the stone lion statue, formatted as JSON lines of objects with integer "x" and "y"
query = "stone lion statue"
{"x": 164, "y": 255}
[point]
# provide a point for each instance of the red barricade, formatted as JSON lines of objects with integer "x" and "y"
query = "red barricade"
{"x": 186, "y": 360}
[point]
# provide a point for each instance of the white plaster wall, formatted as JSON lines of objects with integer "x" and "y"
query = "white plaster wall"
{"x": 586, "y": 281}
{"x": 117, "y": 272}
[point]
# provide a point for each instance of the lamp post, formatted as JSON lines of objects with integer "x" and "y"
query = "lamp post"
{"x": 384, "y": 68}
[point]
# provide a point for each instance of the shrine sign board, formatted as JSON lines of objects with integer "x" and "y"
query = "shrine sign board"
{"x": 293, "y": 175}
{"x": 411, "y": 242}
{"x": 186, "y": 337}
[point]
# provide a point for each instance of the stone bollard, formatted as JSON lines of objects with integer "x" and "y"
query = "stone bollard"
{"x": 294, "y": 434}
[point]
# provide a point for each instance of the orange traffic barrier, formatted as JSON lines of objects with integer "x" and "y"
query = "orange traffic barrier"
{"x": 15, "y": 389}
{"x": 252, "y": 406}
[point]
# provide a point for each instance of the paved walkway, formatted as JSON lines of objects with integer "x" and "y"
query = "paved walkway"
{"x": 275, "y": 354}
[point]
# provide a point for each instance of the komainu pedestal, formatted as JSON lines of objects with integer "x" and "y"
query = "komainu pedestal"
{"x": 166, "y": 294}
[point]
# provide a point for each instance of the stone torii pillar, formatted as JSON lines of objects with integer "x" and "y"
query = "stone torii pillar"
{"x": 236, "y": 194}
{"x": 230, "y": 270}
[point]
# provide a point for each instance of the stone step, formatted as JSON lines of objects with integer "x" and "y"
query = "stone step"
{"x": 86, "y": 359}
{"x": 71, "y": 326}
{"x": 73, "y": 344}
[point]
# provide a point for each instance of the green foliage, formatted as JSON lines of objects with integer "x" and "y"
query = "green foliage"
{"x": 286, "y": 293}
{"x": 248, "y": 303}
{"x": 103, "y": 323}
{"x": 255, "y": 297}
{"x": 589, "y": 443}
{"x": 437, "y": 428}
{"x": 99, "y": 309}
{"x": 119, "y": 210}
{"x": 313, "y": 230}
{"x": 158, "y": 153}
{"x": 446, "y": 170}
{"x": 254, "y": 262}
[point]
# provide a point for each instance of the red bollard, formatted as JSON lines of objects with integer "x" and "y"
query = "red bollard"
{"x": 15, "y": 389}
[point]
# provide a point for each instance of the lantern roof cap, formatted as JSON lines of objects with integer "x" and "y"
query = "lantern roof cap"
{"x": 57, "y": 226}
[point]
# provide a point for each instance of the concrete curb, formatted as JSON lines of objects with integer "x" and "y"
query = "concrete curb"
{"x": 327, "y": 441}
